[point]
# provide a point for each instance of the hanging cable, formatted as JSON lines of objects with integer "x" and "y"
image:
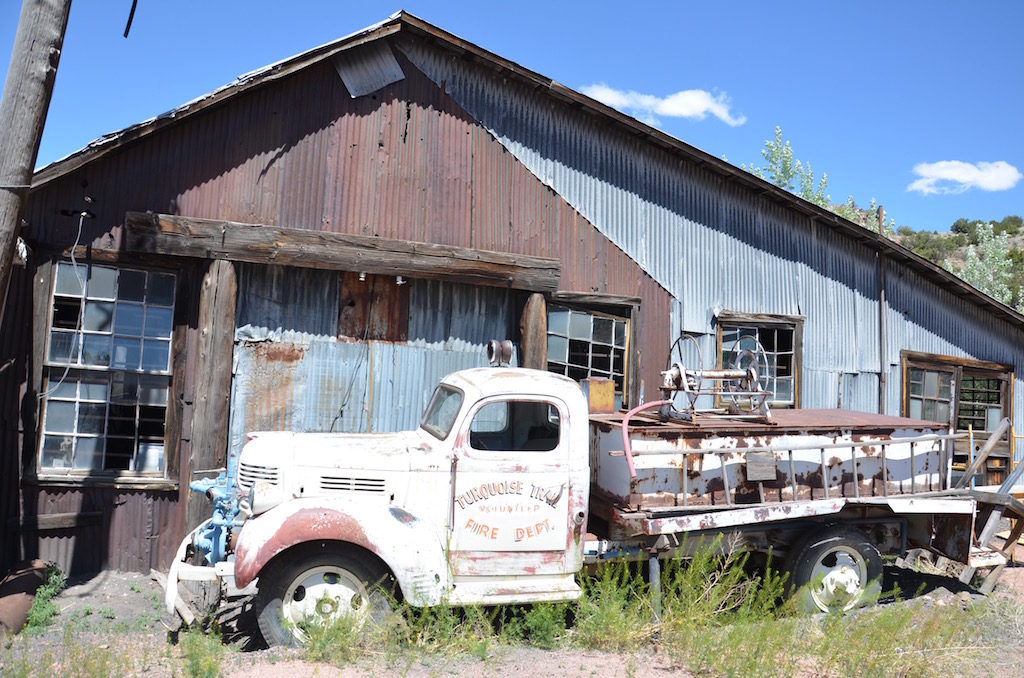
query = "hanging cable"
{"x": 131, "y": 16}
{"x": 362, "y": 356}
{"x": 82, "y": 216}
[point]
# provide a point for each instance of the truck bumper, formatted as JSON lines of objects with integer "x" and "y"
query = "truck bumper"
{"x": 223, "y": 573}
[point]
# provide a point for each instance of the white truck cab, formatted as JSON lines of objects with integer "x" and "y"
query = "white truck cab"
{"x": 485, "y": 502}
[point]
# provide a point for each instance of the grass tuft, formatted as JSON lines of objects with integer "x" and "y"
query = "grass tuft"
{"x": 202, "y": 653}
{"x": 43, "y": 609}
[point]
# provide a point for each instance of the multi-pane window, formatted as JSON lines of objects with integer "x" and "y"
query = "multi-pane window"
{"x": 583, "y": 344}
{"x": 949, "y": 390}
{"x": 775, "y": 355}
{"x": 969, "y": 395}
{"x": 981, "y": 403}
{"x": 929, "y": 394}
{"x": 107, "y": 369}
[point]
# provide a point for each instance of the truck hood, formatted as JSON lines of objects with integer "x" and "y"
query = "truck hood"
{"x": 348, "y": 451}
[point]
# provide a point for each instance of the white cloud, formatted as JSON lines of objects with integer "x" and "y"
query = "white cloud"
{"x": 694, "y": 104}
{"x": 956, "y": 176}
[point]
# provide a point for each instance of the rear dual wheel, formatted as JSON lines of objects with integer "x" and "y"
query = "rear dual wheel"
{"x": 319, "y": 587}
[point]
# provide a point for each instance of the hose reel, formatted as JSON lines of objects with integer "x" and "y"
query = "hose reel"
{"x": 741, "y": 386}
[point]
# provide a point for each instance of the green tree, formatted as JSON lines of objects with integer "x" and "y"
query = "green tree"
{"x": 989, "y": 266}
{"x": 961, "y": 225}
{"x": 1010, "y": 224}
{"x": 783, "y": 169}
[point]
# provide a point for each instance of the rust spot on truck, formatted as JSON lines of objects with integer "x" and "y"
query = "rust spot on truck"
{"x": 305, "y": 525}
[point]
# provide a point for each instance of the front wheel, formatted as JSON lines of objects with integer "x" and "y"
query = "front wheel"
{"x": 319, "y": 588}
{"x": 836, "y": 569}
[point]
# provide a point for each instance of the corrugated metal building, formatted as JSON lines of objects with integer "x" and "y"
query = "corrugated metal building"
{"x": 314, "y": 245}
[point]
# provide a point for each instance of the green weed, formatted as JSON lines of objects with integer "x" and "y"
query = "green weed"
{"x": 43, "y": 608}
{"x": 18, "y": 665}
{"x": 85, "y": 660}
{"x": 202, "y": 653}
{"x": 543, "y": 624}
{"x": 334, "y": 642}
{"x": 897, "y": 640}
{"x": 615, "y": 612}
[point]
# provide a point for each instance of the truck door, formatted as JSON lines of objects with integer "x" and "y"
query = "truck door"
{"x": 511, "y": 482}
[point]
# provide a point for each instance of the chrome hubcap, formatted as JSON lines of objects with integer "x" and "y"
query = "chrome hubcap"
{"x": 838, "y": 579}
{"x": 320, "y": 595}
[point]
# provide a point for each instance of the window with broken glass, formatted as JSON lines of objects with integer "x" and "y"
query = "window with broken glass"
{"x": 585, "y": 344}
{"x": 107, "y": 370}
{"x": 962, "y": 392}
{"x": 775, "y": 346}
{"x": 967, "y": 394}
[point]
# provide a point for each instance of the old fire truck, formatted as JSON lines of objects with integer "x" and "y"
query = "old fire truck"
{"x": 511, "y": 485}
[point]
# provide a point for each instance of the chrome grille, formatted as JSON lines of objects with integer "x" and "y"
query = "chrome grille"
{"x": 348, "y": 484}
{"x": 250, "y": 473}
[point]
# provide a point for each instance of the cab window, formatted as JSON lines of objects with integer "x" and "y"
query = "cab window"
{"x": 516, "y": 426}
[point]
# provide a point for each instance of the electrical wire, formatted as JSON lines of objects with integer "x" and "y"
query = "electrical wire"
{"x": 81, "y": 308}
{"x": 359, "y": 363}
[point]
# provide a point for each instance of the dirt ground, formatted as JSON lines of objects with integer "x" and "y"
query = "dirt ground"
{"x": 122, "y": 615}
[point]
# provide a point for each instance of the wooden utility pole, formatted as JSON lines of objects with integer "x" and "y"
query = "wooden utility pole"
{"x": 26, "y": 99}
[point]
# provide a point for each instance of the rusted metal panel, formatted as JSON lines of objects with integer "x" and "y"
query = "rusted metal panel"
{"x": 337, "y": 386}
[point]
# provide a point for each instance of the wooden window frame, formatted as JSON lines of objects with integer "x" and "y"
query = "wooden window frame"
{"x": 957, "y": 367}
{"x": 615, "y": 306}
{"x": 767, "y": 321}
{"x": 1002, "y": 454}
{"x": 185, "y": 290}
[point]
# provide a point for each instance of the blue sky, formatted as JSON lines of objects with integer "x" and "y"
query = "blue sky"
{"x": 916, "y": 104}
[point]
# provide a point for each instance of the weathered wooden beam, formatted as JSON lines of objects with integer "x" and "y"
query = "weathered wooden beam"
{"x": 263, "y": 244}
{"x": 213, "y": 381}
{"x": 595, "y": 299}
{"x": 533, "y": 333}
{"x": 56, "y": 521}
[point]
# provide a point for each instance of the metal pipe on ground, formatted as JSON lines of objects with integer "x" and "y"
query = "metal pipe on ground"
{"x": 17, "y": 591}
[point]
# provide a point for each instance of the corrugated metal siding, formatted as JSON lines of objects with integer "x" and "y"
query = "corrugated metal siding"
{"x": 405, "y": 162}
{"x": 291, "y": 304}
{"x": 367, "y": 68}
{"x": 319, "y": 384}
{"x": 140, "y": 529}
{"x": 716, "y": 246}
{"x": 15, "y": 342}
{"x": 460, "y": 317}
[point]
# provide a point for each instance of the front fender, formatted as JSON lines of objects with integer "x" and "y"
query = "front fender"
{"x": 406, "y": 544}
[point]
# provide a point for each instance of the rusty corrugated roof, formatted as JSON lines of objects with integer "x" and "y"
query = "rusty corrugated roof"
{"x": 403, "y": 21}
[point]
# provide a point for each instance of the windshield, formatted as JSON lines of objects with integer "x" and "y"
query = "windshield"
{"x": 441, "y": 412}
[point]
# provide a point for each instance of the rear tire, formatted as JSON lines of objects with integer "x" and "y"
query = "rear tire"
{"x": 834, "y": 570}
{"x": 318, "y": 587}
